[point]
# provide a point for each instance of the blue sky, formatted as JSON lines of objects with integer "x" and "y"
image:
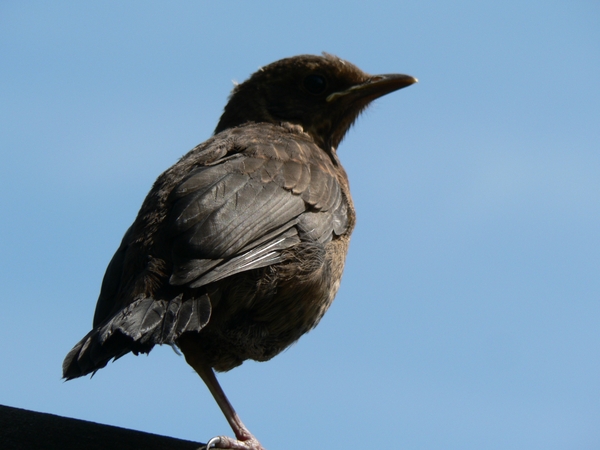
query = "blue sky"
{"x": 469, "y": 309}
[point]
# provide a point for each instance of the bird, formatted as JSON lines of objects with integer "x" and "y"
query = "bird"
{"x": 239, "y": 247}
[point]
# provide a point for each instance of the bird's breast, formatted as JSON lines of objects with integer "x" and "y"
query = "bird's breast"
{"x": 262, "y": 312}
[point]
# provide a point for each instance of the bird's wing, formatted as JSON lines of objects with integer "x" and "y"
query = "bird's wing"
{"x": 242, "y": 212}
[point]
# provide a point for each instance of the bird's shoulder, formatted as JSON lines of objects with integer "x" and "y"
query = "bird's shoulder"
{"x": 280, "y": 147}
{"x": 281, "y": 154}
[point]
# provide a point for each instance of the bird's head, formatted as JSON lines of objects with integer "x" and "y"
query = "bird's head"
{"x": 322, "y": 94}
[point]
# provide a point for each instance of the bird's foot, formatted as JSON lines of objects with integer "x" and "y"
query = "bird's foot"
{"x": 225, "y": 442}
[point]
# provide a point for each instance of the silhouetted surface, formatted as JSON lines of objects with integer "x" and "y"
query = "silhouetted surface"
{"x": 21, "y": 429}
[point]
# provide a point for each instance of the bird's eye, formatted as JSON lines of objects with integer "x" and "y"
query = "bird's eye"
{"x": 315, "y": 84}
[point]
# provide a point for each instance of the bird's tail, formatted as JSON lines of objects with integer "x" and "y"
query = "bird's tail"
{"x": 136, "y": 328}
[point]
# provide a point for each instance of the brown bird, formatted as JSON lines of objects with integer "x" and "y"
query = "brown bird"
{"x": 239, "y": 248}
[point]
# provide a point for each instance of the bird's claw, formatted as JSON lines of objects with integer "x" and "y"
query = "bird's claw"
{"x": 225, "y": 442}
{"x": 213, "y": 441}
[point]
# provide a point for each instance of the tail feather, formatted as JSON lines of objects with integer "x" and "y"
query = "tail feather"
{"x": 137, "y": 328}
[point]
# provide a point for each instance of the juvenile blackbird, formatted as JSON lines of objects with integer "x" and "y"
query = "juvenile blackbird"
{"x": 239, "y": 248}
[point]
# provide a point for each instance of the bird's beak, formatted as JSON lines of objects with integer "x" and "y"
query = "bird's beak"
{"x": 375, "y": 87}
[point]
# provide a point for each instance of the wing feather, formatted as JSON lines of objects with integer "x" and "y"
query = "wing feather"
{"x": 232, "y": 216}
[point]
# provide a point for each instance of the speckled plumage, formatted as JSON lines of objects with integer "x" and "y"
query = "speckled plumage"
{"x": 239, "y": 248}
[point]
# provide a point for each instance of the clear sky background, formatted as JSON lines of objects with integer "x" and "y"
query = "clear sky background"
{"x": 469, "y": 311}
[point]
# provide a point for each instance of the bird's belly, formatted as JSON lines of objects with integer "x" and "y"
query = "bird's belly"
{"x": 286, "y": 301}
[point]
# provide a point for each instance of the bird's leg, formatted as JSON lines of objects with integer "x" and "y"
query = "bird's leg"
{"x": 244, "y": 439}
